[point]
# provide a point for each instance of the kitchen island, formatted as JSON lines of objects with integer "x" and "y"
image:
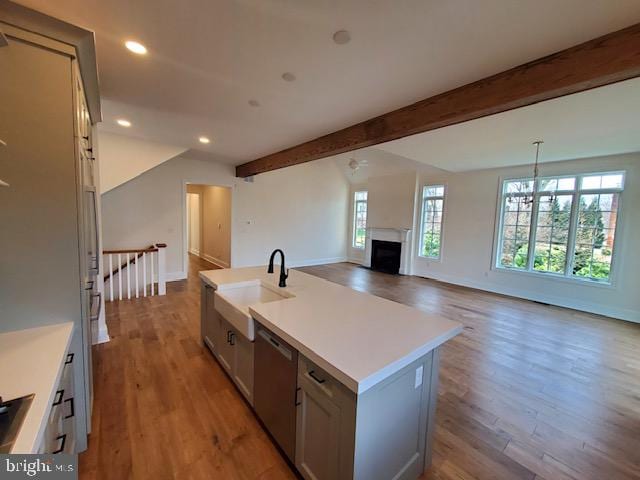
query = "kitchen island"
{"x": 351, "y": 390}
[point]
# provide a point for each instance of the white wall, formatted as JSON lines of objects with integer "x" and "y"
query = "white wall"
{"x": 301, "y": 209}
{"x": 469, "y": 227}
{"x": 123, "y": 158}
{"x": 390, "y": 201}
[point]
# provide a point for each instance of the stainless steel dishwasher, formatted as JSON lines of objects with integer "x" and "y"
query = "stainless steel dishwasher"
{"x": 274, "y": 391}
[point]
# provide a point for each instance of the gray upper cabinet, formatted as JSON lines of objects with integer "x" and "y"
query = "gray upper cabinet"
{"x": 49, "y": 245}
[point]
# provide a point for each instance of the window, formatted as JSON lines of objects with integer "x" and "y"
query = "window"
{"x": 359, "y": 219}
{"x": 432, "y": 209}
{"x": 568, "y": 230}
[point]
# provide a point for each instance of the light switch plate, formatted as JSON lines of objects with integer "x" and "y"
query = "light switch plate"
{"x": 419, "y": 372}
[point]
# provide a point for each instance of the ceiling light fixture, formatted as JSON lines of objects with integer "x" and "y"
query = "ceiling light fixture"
{"x": 288, "y": 77}
{"x": 123, "y": 123}
{"x": 135, "y": 47}
{"x": 204, "y": 140}
{"x": 254, "y": 103}
{"x": 341, "y": 37}
{"x": 530, "y": 197}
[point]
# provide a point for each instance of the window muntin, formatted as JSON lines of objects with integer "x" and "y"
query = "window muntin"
{"x": 359, "y": 219}
{"x": 595, "y": 235}
{"x": 431, "y": 230}
{"x": 569, "y": 230}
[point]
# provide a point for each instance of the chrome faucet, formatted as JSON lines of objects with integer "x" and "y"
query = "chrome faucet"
{"x": 283, "y": 275}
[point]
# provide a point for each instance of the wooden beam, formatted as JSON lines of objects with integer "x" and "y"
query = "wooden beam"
{"x": 602, "y": 61}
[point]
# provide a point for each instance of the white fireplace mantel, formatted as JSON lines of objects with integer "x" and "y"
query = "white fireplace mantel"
{"x": 402, "y": 235}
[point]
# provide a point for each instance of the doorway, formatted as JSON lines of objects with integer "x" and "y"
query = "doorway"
{"x": 208, "y": 224}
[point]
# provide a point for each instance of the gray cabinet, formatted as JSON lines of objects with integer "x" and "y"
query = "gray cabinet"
{"x": 60, "y": 431}
{"x": 379, "y": 434}
{"x": 49, "y": 246}
{"x": 233, "y": 350}
{"x": 209, "y": 319}
{"x": 243, "y": 364}
{"x": 324, "y": 426}
{"x": 225, "y": 351}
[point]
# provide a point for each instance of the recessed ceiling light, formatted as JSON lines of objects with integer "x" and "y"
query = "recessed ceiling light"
{"x": 123, "y": 123}
{"x": 341, "y": 37}
{"x": 288, "y": 77}
{"x": 254, "y": 103}
{"x": 135, "y": 47}
{"x": 204, "y": 140}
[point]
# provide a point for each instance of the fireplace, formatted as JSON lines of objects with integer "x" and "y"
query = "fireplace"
{"x": 386, "y": 235}
{"x": 385, "y": 256}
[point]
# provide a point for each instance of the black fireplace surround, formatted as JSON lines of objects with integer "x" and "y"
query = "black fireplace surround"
{"x": 385, "y": 256}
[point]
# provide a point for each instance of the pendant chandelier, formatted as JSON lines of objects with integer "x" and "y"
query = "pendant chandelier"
{"x": 528, "y": 199}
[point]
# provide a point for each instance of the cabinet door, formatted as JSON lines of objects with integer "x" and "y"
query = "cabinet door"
{"x": 317, "y": 432}
{"x": 243, "y": 368}
{"x": 225, "y": 347}
{"x": 210, "y": 322}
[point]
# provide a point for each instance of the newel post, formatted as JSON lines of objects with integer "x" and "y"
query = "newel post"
{"x": 162, "y": 268}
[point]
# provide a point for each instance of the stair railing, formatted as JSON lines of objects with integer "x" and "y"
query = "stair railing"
{"x": 132, "y": 273}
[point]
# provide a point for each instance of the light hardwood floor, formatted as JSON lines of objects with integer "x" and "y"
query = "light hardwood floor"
{"x": 527, "y": 391}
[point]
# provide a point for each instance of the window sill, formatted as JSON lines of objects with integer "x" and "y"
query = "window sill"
{"x": 554, "y": 276}
{"x": 357, "y": 248}
{"x": 431, "y": 259}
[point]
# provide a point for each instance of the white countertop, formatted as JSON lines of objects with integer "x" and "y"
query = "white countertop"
{"x": 358, "y": 338}
{"x": 31, "y": 361}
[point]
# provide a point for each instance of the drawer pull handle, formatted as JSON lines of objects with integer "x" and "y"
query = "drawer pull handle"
{"x": 312, "y": 374}
{"x": 72, "y": 409}
{"x": 62, "y": 437}
{"x": 296, "y": 402}
{"x": 232, "y": 339}
{"x": 58, "y": 398}
{"x": 69, "y": 359}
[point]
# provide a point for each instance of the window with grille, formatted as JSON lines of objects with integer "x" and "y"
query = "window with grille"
{"x": 431, "y": 227}
{"x": 359, "y": 219}
{"x": 566, "y": 228}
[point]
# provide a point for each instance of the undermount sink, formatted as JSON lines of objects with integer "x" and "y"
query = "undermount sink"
{"x": 233, "y": 301}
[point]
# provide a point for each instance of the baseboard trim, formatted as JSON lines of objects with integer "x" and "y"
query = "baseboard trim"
{"x": 215, "y": 261}
{"x": 175, "y": 276}
{"x": 588, "y": 307}
{"x": 317, "y": 261}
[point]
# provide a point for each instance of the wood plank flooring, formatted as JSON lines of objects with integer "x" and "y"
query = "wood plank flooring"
{"x": 528, "y": 391}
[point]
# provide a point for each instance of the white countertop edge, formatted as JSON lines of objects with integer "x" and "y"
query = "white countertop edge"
{"x": 352, "y": 384}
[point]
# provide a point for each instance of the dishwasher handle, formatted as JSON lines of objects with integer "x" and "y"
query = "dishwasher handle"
{"x": 276, "y": 344}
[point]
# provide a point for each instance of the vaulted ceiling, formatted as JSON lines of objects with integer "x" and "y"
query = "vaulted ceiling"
{"x": 208, "y": 58}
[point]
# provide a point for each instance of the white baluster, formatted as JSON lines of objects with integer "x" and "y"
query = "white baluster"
{"x": 136, "y": 267}
{"x": 111, "y": 277}
{"x": 152, "y": 274}
{"x": 119, "y": 277}
{"x": 144, "y": 273}
{"x": 128, "y": 279}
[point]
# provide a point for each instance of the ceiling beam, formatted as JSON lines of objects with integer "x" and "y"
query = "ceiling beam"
{"x": 598, "y": 62}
